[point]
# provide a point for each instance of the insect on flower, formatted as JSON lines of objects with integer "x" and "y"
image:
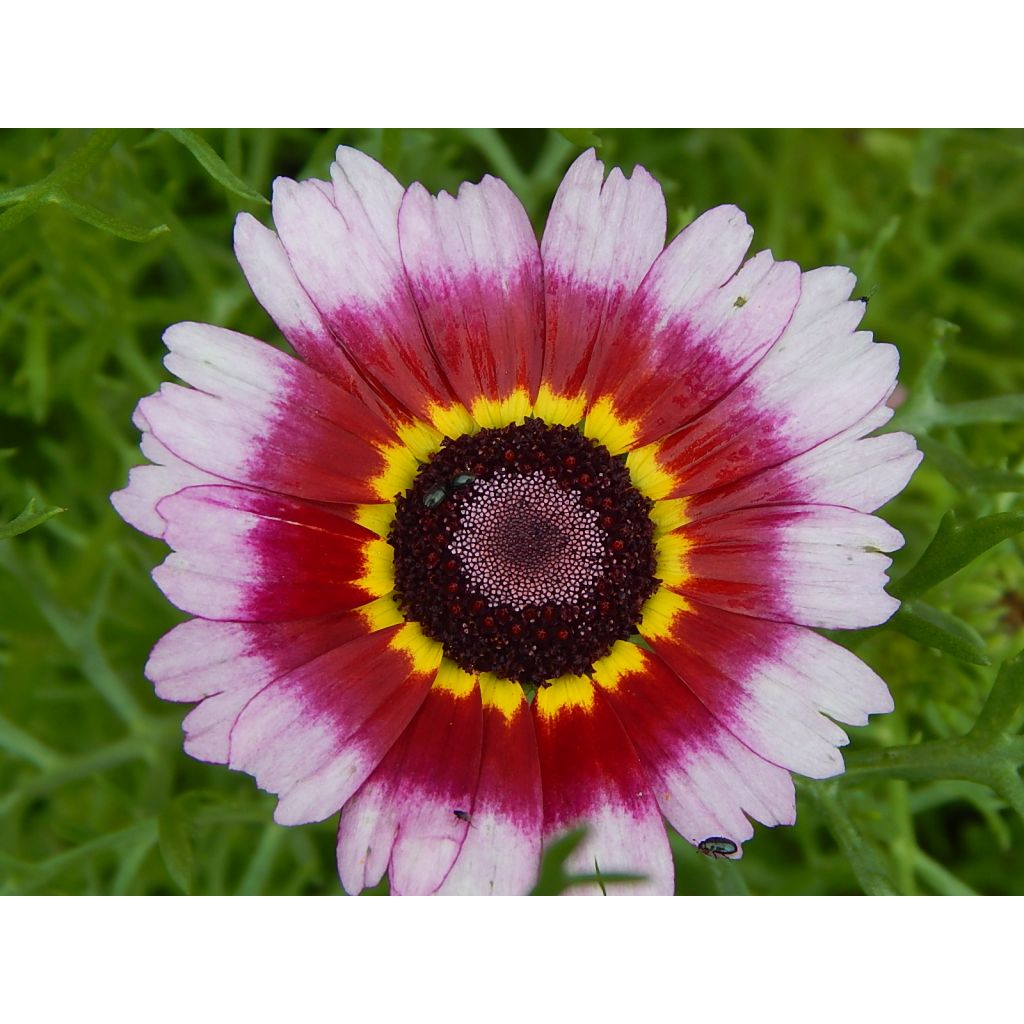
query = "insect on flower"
{"x": 717, "y": 847}
{"x": 538, "y": 529}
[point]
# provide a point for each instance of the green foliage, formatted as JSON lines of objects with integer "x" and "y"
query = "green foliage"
{"x": 108, "y": 237}
{"x": 27, "y": 519}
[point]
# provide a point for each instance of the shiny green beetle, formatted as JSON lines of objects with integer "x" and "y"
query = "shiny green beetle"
{"x": 717, "y": 846}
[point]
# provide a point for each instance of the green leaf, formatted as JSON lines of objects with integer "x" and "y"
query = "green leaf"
{"x": 918, "y": 412}
{"x": 29, "y": 198}
{"x": 868, "y": 865}
{"x": 582, "y": 137}
{"x": 176, "y": 846}
{"x": 990, "y": 754}
{"x": 953, "y": 547}
{"x": 964, "y": 474}
{"x": 214, "y": 165}
{"x": 108, "y": 222}
{"x": 999, "y": 409}
{"x": 28, "y": 519}
{"x": 938, "y": 629}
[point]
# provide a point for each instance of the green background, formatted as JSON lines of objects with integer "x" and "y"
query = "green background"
{"x": 106, "y": 238}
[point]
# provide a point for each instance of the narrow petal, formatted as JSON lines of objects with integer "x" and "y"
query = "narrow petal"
{"x": 682, "y": 347}
{"x": 355, "y": 278}
{"x": 405, "y": 814}
{"x": 263, "y": 418}
{"x": 850, "y": 469}
{"x": 600, "y": 240}
{"x": 705, "y": 780}
{"x": 314, "y": 735}
{"x": 820, "y": 379}
{"x": 811, "y": 564}
{"x": 474, "y": 268}
{"x": 147, "y": 487}
{"x": 252, "y": 556}
{"x": 758, "y": 680}
{"x": 501, "y": 851}
{"x": 270, "y": 275}
{"x": 223, "y": 665}
{"x": 592, "y": 776}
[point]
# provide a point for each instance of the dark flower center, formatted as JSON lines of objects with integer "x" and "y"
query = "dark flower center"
{"x": 526, "y": 551}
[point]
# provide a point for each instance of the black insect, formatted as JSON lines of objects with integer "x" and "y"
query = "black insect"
{"x": 462, "y": 480}
{"x": 717, "y": 847}
{"x": 461, "y": 815}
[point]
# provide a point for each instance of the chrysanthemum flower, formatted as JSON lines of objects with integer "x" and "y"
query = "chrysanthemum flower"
{"x": 530, "y": 536}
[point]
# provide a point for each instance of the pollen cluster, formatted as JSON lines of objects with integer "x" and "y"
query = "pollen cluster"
{"x": 525, "y": 551}
{"x": 526, "y": 540}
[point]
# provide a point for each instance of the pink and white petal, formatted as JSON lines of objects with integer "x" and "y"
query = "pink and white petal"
{"x": 314, "y": 735}
{"x": 438, "y": 776}
{"x": 705, "y": 780}
{"x": 600, "y": 239}
{"x": 368, "y": 826}
{"x": 224, "y": 665}
{"x": 591, "y": 776}
{"x": 263, "y": 418}
{"x": 501, "y": 852}
{"x": 746, "y": 672}
{"x": 678, "y": 353}
{"x": 270, "y": 275}
{"x": 359, "y": 287}
{"x": 821, "y": 378}
{"x": 474, "y": 269}
{"x": 367, "y": 193}
{"x": 405, "y": 814}
{"x": 816, "y": 565}
{"x": 252, "y": 556}
{"x": 850, "y": 469}
{"x": 147, "y": 487}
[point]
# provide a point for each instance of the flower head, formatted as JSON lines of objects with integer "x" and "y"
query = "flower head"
{"x": 529, "y": 536}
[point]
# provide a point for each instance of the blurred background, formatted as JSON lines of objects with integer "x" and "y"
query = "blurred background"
{"x": 106, "y": 238}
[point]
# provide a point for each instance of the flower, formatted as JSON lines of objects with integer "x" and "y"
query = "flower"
{"x": 530, "y": 535}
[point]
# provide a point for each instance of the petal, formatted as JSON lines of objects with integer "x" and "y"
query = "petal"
{"x": 351, "y": 269}
{"x": 705, "y": 780}
{"x": 314, "y": 735}
{"x": 147, "y": 487}
{"x": 501, "y": 851}
{"x": 252, "y": 556}
{"x": 592, "y": 776}
{"x": 474, "y": 268}
{"x": 820, "y": 379}
{"x": 669, "y": 365}
{"x": 849, "y": 469}
{"x": 404, "y": 815}
{"x": 263, "y": 418}
{"x": 270, "y": 275}
{"x": 225, "y": 664}
{"x": 767, "y": 682}
{"x": 600, "y": 240}
{"x": 811, "y": 564}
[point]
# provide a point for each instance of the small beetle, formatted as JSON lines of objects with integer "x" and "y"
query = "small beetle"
{"x": 462, "y": 480}
{"x": 434, "y": 498}
{"x": 717, "y": 847}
